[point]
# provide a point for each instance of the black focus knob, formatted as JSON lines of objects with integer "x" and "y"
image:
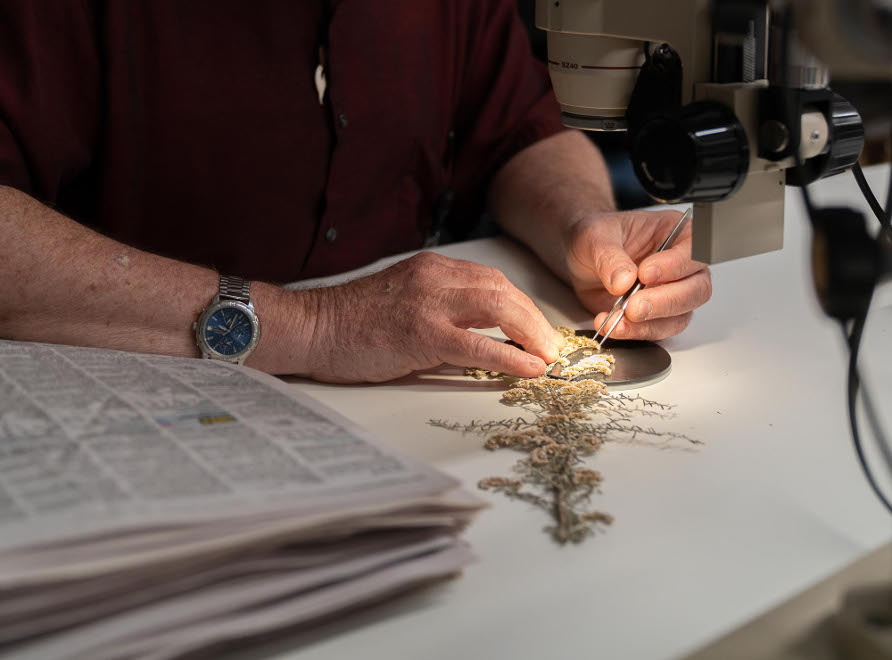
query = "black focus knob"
{"x": 695, "y": 153}
{"x": 846, "y": 136}
{"x": 844, "y": 144}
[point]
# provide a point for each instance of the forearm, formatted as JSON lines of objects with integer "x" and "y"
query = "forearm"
{"x": 545, "y": 189}
{"x": 62, "y": 283}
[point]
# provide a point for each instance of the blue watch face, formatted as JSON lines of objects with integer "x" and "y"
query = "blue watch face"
{"x": 228, "y": 331}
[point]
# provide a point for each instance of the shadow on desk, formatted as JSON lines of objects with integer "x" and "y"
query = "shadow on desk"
{"x": 448, "y": 378}
{"x": 439, "y": 379}
{"x": 352, "y": 620}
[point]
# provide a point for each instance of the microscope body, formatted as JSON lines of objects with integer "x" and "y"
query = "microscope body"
{"x": 704, "y": 95}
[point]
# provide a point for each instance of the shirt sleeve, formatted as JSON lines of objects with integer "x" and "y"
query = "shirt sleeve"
{"x": 505, "y": 101}
{"x": 49, "y": 91}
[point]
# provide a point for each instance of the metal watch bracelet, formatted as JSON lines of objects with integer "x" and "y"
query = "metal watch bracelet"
{"x": 235, "y": 288}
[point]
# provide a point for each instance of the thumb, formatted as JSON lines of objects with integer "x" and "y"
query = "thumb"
{"x": 614, "y": 266}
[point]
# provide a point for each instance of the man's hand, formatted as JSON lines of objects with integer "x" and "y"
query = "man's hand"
{"x": 61, "y": 282}
{"x": 416, "y": 315}
{"x": 555, "y": 196}
{"x": 607, "y": 251}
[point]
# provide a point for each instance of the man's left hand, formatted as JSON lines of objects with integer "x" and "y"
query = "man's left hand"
{"x": 607, "y": 251}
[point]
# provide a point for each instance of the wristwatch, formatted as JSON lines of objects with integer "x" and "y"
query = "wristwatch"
{"x": 228, "y": 329}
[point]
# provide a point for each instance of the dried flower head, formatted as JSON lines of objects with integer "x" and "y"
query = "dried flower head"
{"x": 539, "y": 456}
{"x": 586, "y": 477}
{"x": 600, "y": 363}
{"x": 496, "y": 483}
{"x": 597, "y": 517}
{"x": 480, "y": 374}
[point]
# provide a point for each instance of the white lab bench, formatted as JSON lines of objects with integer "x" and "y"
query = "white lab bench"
{"x": 704, "y": 540}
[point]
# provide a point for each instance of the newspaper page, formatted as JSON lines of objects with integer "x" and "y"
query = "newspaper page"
{"x": 213, "y": 616}
{"x": 301, "y": 592}
{"x": 92, "y": 440}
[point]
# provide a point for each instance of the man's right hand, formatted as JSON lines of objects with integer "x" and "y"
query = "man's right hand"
{"x": 63, "y": 283}
{"x": 416, "y": 315}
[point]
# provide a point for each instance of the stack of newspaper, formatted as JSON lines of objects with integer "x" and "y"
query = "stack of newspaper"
{"x": 154, "y": 506}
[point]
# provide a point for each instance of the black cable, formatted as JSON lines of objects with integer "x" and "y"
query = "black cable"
{"x": 886, "y": 232}
{"x": 883, "y": 239}
{"x": 853, "y": 341}
{"x": 868, "y": 195}
{"x": 852, "y": 386}
{"x": 885, "y": 235}
{"x": 889, "y": 190}
{"x": 874, "y": 421}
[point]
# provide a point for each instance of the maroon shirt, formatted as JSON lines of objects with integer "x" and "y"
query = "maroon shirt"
{"x": 194, "y": 129}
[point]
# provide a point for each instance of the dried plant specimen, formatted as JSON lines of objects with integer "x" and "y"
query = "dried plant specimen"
{"x": 593, "y": 363}
{"x": 569, "y": 422}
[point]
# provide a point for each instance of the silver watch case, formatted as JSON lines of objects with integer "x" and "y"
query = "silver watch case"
{"x": 216, "y": 305}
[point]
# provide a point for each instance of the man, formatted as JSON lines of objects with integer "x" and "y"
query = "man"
{"x": 274, "y": 141}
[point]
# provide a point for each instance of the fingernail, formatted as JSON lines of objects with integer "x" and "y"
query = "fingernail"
{"x": 645, "y": 309}
{"x": 618, "y": 275}
{"x": 622, "y": 328}
{"x": 537, "y": 364}
{"x": 652, "y": 274}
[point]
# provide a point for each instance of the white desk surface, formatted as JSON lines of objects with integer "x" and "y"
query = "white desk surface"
{"x": 704, "y": 540}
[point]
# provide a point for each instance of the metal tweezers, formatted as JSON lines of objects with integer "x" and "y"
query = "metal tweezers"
{"x": 623, "y": 301}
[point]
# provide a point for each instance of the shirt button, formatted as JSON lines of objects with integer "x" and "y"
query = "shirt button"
{"x": 342, "y": 120}
{"x": 331, "y": 234}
